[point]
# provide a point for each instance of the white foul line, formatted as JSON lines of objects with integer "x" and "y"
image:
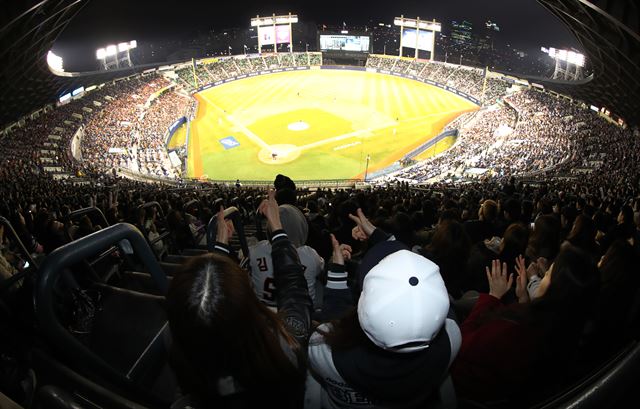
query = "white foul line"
{"x": 255, "y": 138}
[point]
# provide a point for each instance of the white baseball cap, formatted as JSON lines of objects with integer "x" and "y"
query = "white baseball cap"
{"x": 404, "y": 302}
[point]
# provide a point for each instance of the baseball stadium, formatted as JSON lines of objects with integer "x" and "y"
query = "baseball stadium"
{"x": 323, "y": 207}
{"x": 315, "y": 118}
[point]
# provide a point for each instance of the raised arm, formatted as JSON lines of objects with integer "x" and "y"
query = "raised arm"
{"x": 292, "y": 294}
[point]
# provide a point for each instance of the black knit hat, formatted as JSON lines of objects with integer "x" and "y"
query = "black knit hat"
{"x": 283, "y": 182}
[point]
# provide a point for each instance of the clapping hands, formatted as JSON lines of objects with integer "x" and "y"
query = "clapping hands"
{"x": 499, "y": 282}
{"x": 521, "y": 281}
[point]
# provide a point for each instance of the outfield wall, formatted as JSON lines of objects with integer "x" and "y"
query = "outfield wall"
{"x": 253, "y": 74}
{"x": 453, "y": 133}
{"x": 173, "y": 128}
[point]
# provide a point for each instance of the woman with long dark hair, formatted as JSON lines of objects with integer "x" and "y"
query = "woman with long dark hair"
{"x": 449, "y": 249}
{"x": 583, "y": 235}
{"x": 230, "y": 350}
{"x": 506, "y": 249}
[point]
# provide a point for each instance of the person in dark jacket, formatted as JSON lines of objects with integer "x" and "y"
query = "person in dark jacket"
{"x": 395, "y": 347}
{"x": 229, "y": 349}
{"x": 484, "y": 227}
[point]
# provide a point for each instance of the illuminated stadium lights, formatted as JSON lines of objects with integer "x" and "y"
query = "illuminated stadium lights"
{"x": 571, "y": 59}
{"x": 54, "y": 62}
{"x": 274, "y": 30}
{"x": 420, "y": 34}
{"x": 116, "y": 56}
{"x": 122, "y": 47}
{"x": 564, "y": 55}
{"x": 111, "y": 50}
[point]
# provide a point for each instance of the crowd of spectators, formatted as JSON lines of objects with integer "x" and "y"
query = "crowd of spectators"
{"x": 118, "y": 136}
{"x": 528, "y": 227}
{"x": 208, "y": 72}
{"x": 476, "y": 138}
{"x": 466, "y": 79}
{"x": 534, "y": 280}
{"x": 530, "y": 134}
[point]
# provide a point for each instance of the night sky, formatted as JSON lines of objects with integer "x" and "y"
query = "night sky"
{"x": 525, "y": 22}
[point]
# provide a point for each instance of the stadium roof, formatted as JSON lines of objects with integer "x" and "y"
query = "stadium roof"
{"x": 28, "y": 30}
{"x": 608, "y": 30}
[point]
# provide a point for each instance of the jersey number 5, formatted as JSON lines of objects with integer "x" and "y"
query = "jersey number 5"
{"x": 268, "y": 289}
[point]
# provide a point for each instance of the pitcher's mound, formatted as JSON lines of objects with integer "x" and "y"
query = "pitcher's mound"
{"x": 279, "y": 154}
{"x": 298, "y": 126}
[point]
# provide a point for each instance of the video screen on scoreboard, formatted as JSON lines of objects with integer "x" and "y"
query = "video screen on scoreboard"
{"x": 279, "y": 34}
{"x": 424, "y": 42}
{"x": 336, "y": 42}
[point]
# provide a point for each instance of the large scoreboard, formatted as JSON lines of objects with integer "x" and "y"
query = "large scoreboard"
{"x": 342, "y": 47}
{"x": 343, "y": 42}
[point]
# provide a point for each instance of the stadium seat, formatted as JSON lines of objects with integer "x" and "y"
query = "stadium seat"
{"x": 106, "y": 334}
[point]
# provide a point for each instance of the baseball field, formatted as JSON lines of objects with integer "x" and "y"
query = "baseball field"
{"x": 314, "y": 125}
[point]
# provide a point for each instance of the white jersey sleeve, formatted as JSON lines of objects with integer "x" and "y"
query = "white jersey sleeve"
{"x": 313, "y": 266}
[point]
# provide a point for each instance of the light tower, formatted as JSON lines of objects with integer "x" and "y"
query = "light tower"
{"x": 418, "y": 34}
{"x": 569, "y": 64}
{"x": 113, "y": 57}
{"x": 275, "y": 30}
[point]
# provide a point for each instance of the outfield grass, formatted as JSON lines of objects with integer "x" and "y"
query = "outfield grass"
{"x": 331, "y": 119}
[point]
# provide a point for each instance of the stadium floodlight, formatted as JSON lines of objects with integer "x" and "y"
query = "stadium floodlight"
{"x": 569, "y": 56}
{"x": 416, "y": 26}
{"x": 111, "y": 50}
{"x": 272, "y": 30}
{"x": 54, "y": 62}
{"x": 570, "y": 59}
{"x": 116, "y": 56}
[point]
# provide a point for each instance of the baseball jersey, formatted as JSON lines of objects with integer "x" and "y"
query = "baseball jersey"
{"x": 262, "y": 271}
